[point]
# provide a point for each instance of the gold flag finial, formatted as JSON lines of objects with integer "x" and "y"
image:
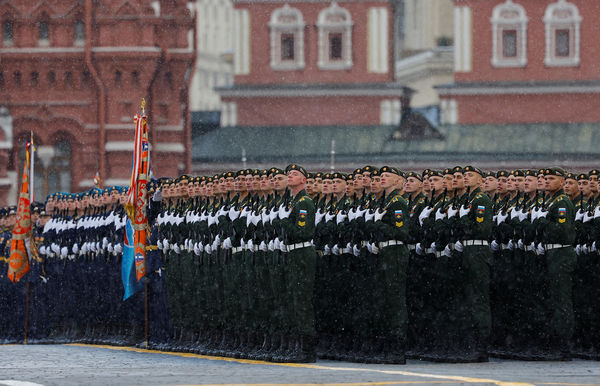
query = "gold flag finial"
{"x": 143, "y": 106}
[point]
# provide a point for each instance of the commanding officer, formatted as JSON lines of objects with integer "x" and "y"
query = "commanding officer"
{"x": 556, "y": 235}
{"x": 298, "y": 224}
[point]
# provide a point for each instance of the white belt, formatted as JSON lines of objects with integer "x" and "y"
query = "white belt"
{"x": 347, "y": 250}
{"x": 389, "y": 243}
{"x": 504, "y": 246}
{"x": 439, "y": 254}
{"x": 529, "y": 248}
{"x": 478, "y": 242}
{"x": 363, "y": 244}
{"x": 555, "y": 246}
{"x": 305, "y": 244}
{"x": 411, "y": 247}
{"x": 429, "y": 250}
{"x": 236, "y": 250}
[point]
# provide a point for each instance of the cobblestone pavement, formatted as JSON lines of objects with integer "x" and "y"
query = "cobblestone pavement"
{"x": 104, "y": 365}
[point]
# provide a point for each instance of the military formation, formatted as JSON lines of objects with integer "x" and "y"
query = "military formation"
{"x": 375, "y": 266}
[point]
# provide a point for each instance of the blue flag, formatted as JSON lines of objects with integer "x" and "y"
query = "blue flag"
{"x": 128, "y": 275}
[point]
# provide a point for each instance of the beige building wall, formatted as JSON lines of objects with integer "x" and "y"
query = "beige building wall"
{"x": 426, "y": 23}
{"x": 214, "y": 66}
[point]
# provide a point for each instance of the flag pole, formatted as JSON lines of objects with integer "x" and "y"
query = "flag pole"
{"x": 26, "y": 312}
{"x": 146, "y": 313}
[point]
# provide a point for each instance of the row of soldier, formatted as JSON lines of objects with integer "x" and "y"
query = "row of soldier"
{"x": 440, "y": 265}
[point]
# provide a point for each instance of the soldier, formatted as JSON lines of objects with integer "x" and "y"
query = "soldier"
{"x": 556, "y": 234}
{"x": 297, "y": 221}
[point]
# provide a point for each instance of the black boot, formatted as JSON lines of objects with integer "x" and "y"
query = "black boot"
{"x": 294, "y": 350}
{"x": 279, "y": 355}
{"x": 308, "y": 353}
{"x": 394, "y": 352}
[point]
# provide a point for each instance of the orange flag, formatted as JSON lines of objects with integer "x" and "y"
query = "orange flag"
{"x": 137, "y": 196}
{"x": 18, "y": 263}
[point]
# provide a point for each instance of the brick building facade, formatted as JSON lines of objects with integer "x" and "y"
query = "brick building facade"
{"x": 74, "y": 73}
{"x": 519, "y": 61}
{"x": 313, "y": 63}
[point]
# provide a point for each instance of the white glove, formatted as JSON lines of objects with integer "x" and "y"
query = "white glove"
{"x": 433, "y": 247}
{"x": 425, "y": 214}
{"x": 352, "y": 214}
{"x": 597, "y": 212}
{"x": 534, "y": 213}
{"x": 266, "y": 217}
{"x": 578, "y": 249}
{"x": 197, "y": 249}
{"x": 118, "y": 248}
{"x": 540, "y": 249}
{"x": 271, "y": 246}
{"x": 579, "y": 215}
{"x": 369, "y": 214}
{"x": 584, "y": 249}
{"x": 159, "y": 244}
{"x": 369, "y": 248}
{"x": 63, "y": 252}
{"x": 439, "y": 215}
{"x": 233, "y": 213}
{"x": 511, "y": 245}
{"x": 374, "y": 249}
{"x": 500, "y": 217}
{"x": 495, "y": 246}
{"x": 250, "y": 245}
{"x": 542, "y": 214}
{"x": 355, "y": 250}
{"x": 75, "y": 248}
{"x": 44, "y": 279}
{"x": 284, "y": 212}
{"x": 329, "y": 216}
{"x": 273, "y": 215}
{"x": 514, "y": 213}
{"x": 55, "y": 248}
{"x": 243, "y": 243}
{"x": 319, "y": 216}
{"x": 326, "y": 250}
{"x": 208, "y": 249}
{"x": 43, "y": 250}
{"x": 520, "y": 244}
{"x": 276, "y": 244}
{"x": 262, "y": 246}
{"x": 227, "y": 243}
{"x": 447, "y": 251}
{"x": 419, "y": 249}
{"x": 245, "y": 212}
{"x": 587, "y": 216}
{"x": 379, "y": 214}
{"x": 104, "y": 242}
{"x": 464, "y": 210}
{"x": 593, "y": 247}
{"x": 458, "y": 246}
{"x": 111, "y": 248}
{"x": 335, "y": 250}
{"x": 176, "y": 248}
{"x": 523, "y": 214}
{"x": 255, "y": 219}
{"x": 282, "y": 247}
{"x": 452, "y": 212}
{"x": 341, "y": 216}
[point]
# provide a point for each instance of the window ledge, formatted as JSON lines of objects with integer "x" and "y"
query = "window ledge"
{"x": 500, "y": 63}
{"x": 287, "y": 66}
{"x": 571, "y": 62}
{"x": 335, "y": 66}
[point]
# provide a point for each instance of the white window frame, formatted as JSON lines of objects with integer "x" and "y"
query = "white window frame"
{"x": 327, "y": 24}
{"x": 558, "y": 16}
{"x": 390, "y": 112}
{"x": 287, "y": 20}
{"x": 509, "y": 17}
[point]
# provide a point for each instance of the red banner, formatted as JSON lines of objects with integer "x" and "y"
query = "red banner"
{"x": 18, "y": 263}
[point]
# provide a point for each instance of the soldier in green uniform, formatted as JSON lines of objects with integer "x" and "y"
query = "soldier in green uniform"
{"x": 298, "y": 225}
{"x": 390, "y": 230}
{"x": 556, "y": 235}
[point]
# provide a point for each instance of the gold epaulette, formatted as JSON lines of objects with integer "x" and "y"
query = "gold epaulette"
{"x": 151, "y": 247}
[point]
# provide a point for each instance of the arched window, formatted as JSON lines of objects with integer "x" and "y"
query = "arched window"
{"x": 8, "y": 33}
{"x": 509, "y": 34}
{"x": 79, "y": 36}
{"x": 287, "y": 39}
{"x": 335, "y": 38}
{"x": 59, "y": 170}
{"x": 43, "y": 33}
{"x": 562, "y": 21}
